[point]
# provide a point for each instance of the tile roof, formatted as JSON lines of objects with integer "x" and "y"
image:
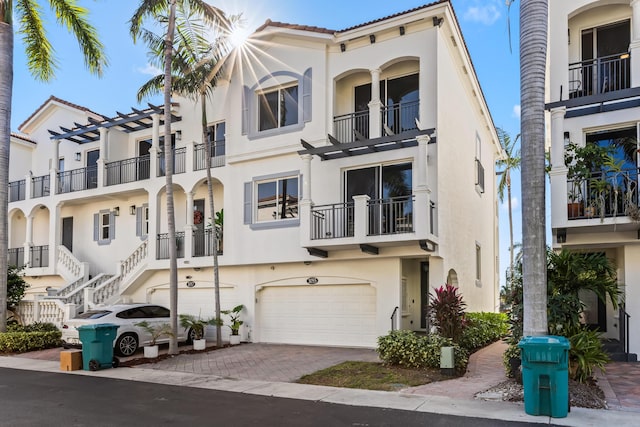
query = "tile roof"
{"x": 61, "y": 101}
{"x": 270, "y": 23}
{"x": 22, "y": 137}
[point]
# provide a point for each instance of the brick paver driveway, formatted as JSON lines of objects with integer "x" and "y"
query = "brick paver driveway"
{"x": 264, "y": 362}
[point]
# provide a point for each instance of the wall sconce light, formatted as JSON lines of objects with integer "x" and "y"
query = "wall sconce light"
{"x": 402, "y": 30}
{"x": 188, "y": 277}
{"x": 372, "y": 38}
{"x": 437, "y": 22}
{"x": 78, "y": 156}
{"x": 178, "y": 135}
{"x": 561, "y": 235}
{"x": 196, "y": 268}
{"x": 567, "y": 138}
{"x": 307, "y": 262}
{"x": 343, "y": 47}
{"x": 132, "y": 210}
{"x": 116, "y": 211}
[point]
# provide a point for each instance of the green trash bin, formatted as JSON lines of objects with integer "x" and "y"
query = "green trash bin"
{"x": 545, "y": 375}
{"x": 97, "y": 346}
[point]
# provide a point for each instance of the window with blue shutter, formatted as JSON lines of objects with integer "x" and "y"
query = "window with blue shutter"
{"x": 104, "y": 227}
{"x": 271, "y": 201}
{"x": 142, "y": 221}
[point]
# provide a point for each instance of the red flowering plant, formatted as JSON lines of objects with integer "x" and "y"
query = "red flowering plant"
{"x": 446, "y": 311}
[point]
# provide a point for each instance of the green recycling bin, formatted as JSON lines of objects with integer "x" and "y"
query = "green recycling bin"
{"x": 97, "y": 346}
{"x": 545, "y": 375}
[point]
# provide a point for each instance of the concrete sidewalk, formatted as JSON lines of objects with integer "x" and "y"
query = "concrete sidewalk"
{"x": 454, "y": 397}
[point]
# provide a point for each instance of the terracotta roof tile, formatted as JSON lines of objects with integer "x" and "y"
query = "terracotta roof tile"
{"x": 394, "y": 15}
{"x": 22, "y": 137}
{"x": 62, "y": 101}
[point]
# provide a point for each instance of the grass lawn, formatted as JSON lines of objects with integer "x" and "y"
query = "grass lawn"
{"x": 372, "y": 376}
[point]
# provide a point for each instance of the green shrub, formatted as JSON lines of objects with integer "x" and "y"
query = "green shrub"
{"x": 512, "y": 352}
{"x": 482, "y": 329}
{"x": 20, "y": 342}
{"x": 585, "y": 354}
{"x": 446, "y": 309}
{"x": 405, "y": 348}
{"x": 35, "y": 327}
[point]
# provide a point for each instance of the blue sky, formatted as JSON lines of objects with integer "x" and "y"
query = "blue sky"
{"x": 483, "y": 22}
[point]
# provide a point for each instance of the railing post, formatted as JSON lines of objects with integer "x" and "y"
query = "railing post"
{"x": 88, "y": 298}
{"x": 361, "y": 214}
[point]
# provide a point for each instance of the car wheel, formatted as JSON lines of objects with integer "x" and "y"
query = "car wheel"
{"x": 191, "y": 335}
{"x": 127, "y": 344}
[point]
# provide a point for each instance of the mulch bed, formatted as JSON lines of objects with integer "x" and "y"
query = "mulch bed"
{"x": 143, "y": 360}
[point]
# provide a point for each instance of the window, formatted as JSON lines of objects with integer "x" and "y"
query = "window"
{"x": 278, "y": 108}
{"x": 272, "y": 201}
{"x": 215, "y": 134}
{"x": 61, "y": 164}
{"x": 478, "y": 166}
{"x": 104, "y": 227}
{"x": 142, "y": 221}
{"x": 478, "y": 265}
{"x": 277, "y": 199}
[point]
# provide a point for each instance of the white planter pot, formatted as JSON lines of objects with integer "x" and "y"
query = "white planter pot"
{"x": 200, "y": 344}
{"x": 234, "y": 339}
{"x": 151, "y": 352}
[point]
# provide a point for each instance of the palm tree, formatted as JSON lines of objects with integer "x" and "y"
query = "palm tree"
{"x": 196, "y": 66}
{"x": 510, "y": 161}
{"x": 533, "y": 53}
{"x": 157, "y": 11}
{"x": 42, "y": 65}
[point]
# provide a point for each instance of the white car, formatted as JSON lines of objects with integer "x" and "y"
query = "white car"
{"x": 129, "y": 337}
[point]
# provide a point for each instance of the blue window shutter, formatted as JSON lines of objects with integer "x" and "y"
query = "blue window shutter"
{"x": 112, "y": 226}
{"x": 96, "y": 227}
{"x": 248, "y": 214}
{"x": 246, "y": 93}
{"x": 139, "y": 219}
{"x": 306, "y": 96}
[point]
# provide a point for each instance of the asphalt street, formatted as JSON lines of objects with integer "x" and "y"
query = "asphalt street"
{"x": 30, "y": 398}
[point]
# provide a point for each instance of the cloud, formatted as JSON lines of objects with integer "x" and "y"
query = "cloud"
{"x": 484, "y": 12}
{"x": 515, "y": 205}
{"x": 149, "y": 70}
{"x": 516, "y": 111}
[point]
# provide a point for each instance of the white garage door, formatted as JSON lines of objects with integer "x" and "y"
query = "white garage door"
{"x": 196, "y": 301}
{"x": 342, "y": 315}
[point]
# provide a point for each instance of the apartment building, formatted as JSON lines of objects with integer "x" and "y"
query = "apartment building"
{"x": 352, "y": 173}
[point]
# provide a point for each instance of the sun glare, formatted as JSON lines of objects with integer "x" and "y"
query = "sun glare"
{"x": 239, "y": 36}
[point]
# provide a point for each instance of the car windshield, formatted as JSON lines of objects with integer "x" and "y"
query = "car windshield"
{"x": 93, "y": 314}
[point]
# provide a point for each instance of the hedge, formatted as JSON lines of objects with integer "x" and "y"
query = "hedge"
{"x": 21, "y": 342}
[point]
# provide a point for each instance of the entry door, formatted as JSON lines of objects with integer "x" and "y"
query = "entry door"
{"x": 67, "y": 233}
{"x": 92, "y": 168}
{"x": 198, "y": 237}
{"x": 143, "y": 164}
{"x": 424, "y": 295}
{"x": 606, "y": 46}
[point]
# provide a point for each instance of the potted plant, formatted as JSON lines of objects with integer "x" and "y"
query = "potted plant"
{"x": 156, "y": 332}
{"x": 195, "y": 327}
{"x": 234, "y": 323}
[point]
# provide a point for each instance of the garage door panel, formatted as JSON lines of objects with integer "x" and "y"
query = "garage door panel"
{"x": 322, "y": 315}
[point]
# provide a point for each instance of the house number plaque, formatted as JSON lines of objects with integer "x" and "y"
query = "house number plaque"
{"x": 312, "y": 280}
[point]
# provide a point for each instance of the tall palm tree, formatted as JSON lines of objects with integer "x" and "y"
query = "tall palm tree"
{"x": 196, "y": 67}
{"x": 156, "y": 10}
{"x": 42, "y": 65}
{"x": 510, "y": 161}
{"x": 533, "y": 53}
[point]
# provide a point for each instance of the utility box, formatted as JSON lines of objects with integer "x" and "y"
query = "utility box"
{"x": 447, "y": 361}
{"x": 97, "y": 346}
{"x": 545, "y": 375}
{"x": 70, "y": 360}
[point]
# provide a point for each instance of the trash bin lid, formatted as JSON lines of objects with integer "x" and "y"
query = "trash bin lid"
{"x": 544, "y": 341}
{"x": 97, "y": 326}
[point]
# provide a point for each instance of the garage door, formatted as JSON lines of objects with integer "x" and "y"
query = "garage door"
{"x": 196, "y": 301}
{"x": 342, "y": 315}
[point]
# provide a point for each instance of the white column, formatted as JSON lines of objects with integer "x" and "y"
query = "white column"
{"x": 306, "y": 176}
{"x": 53, "y": 178}
{"x": 153, "y": 151}
{"x": 421, "y": 192}
{"x": 557, "y": 137}
{"x": 375, "y": 106}
{"x": 28, "y": 242}
{"x": 28, "y": 179}
{"x": 634, "y": 47}
{"x": 306, "y": 203}
{"x": 361, "y": 222}
{"x": 154, "y": 215}
{"x": 104, "y": 156}
{"x": 558, "y": 174}
{"x": 422, "y": 167}
{"x": 189, "y": 227}
{"x": 54, "y": 234}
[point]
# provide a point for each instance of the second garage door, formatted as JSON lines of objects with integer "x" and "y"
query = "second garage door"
{"x": 343, "y": 315}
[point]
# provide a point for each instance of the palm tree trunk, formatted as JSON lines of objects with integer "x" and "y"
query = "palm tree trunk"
{"x": 533, "y": 52}
{"x": 216, "y": 276}
{"x": 510, "y": 228}
{"x": 168, "y": 155}
{"x": 6, "y": 83}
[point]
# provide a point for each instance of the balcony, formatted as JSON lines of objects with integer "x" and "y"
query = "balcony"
{"x": 400, "y": 118}
{"x": 179, "y": 161}
{"x": 604, "y": 195}
{"x": 16, "y": 257}
{"x": 203, "y": 241}
{"x": 39, "y": 256}
{"x": 162, "y": 247}
{"x": 600, "y": 75}
{"x": 351, "y": 127}
{"x": 40, "y": 186}
{"x": 17, "y": 190}
{"x": 217, "y": 155}
{"x": 128, "y": 170}
{"x": 332, "y": 221}
{"x": 78, "y": 179}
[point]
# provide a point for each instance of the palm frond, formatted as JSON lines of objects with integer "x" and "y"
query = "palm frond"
{"x": 74, "y": 17}
{"x": 39, "y": 51}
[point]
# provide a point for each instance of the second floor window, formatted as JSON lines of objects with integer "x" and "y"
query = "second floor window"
{"x": 277, "y": 199}
{"x": 104, "y": 227}
{"x": 215, "y": 134}
{"x": 278, "y": 108}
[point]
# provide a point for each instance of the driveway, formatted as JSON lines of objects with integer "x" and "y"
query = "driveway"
{"x": 264, "y": 362}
